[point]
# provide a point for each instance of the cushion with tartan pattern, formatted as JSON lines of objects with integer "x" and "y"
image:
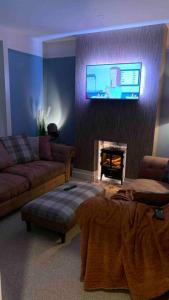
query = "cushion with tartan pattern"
{"x": 18, "y": 148}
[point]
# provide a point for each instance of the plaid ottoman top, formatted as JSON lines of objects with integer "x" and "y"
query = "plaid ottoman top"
{"x": 60, "y": 205}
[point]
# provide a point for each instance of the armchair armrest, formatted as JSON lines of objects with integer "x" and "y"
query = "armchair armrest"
{"x": 63, "y": 153}
{"x": 153, "y": 167}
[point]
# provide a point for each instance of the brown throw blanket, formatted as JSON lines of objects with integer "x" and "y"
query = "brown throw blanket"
{"x": 123, "y": 246}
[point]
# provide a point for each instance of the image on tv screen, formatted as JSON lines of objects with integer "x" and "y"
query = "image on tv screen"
{"x": 116, "y": 81}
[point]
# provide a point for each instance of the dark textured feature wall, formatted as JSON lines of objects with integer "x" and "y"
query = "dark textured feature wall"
{"x": 26, "y": 91}
{"x": 119, "y": 121}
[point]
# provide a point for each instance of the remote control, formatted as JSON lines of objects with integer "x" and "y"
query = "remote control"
{"x": 70, "y": 187}
{"x": 159, "y": 213}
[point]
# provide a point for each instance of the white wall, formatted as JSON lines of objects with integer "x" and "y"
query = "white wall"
{"x": 16, "y": 40}
{"x": 59, "y": 48}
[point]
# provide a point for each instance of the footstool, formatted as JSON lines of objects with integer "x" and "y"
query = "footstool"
{"x": 55, "y": 210}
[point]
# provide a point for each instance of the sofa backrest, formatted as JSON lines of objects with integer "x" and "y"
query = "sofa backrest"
{"x": 19, "y": 148}
{"x": 34, "y": 143}
{"x": 153, "y": 167}
{"x": 39, "y": 146}
{"x": 5, "y": 159}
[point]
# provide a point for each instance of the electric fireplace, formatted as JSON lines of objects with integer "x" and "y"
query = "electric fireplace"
{"x": 112, "y": 162}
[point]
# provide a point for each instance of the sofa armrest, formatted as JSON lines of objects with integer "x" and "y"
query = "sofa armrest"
{"x": 63, "y": 153}
{"x": 153, "y": 167}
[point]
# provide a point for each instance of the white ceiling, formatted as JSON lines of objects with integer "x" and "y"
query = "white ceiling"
{"x": 59, "y": 18}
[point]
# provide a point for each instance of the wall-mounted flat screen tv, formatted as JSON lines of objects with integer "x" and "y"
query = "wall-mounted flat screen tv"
{"x": 113, "y": 81}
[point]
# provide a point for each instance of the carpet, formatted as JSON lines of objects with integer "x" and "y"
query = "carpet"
{"x": 35, "y": 266}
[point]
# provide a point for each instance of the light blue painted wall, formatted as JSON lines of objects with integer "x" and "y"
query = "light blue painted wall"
{"x": 59, "y": 82}
{"x": 3, "y": 121}
{"x": 26, "y": 90}
{"x": 163, "y": 136}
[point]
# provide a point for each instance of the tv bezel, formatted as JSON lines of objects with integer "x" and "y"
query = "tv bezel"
{"x": 118, "y": 99}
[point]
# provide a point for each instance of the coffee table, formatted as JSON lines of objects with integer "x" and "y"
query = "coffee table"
{"x": 56, "y": 209}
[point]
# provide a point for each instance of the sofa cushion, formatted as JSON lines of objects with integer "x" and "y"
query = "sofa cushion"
{"x": 45, "y": 152}
{"x": 18, "y": 148}
{"x": 149, "y": 186}
{"x": 5, "y": 160}
{"x": 37, "y": 172}
{"x": 12, "y": 186}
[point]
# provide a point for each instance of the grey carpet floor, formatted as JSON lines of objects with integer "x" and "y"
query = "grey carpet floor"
{"x": 34, "y": 266}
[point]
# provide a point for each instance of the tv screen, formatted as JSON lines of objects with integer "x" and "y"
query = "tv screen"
{"x": 116, "y": 81}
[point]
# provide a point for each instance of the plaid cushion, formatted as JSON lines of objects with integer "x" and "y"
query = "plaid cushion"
{"x": 18, "y": 148}
{"x": 33, "y": 141}
{"x": 59, "y": 205}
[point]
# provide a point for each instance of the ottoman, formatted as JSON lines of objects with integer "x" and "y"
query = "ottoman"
{"x": 55, "y": 210}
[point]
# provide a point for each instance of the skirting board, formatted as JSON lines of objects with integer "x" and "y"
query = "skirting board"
{"x": 83, "y": 174}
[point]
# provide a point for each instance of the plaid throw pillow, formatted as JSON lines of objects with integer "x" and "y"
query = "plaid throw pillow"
{"x": 33, "y": 141}
{"x": 18, "y": 148}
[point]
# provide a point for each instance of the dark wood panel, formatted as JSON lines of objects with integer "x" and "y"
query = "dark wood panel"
{"x": 119, "y": 121}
